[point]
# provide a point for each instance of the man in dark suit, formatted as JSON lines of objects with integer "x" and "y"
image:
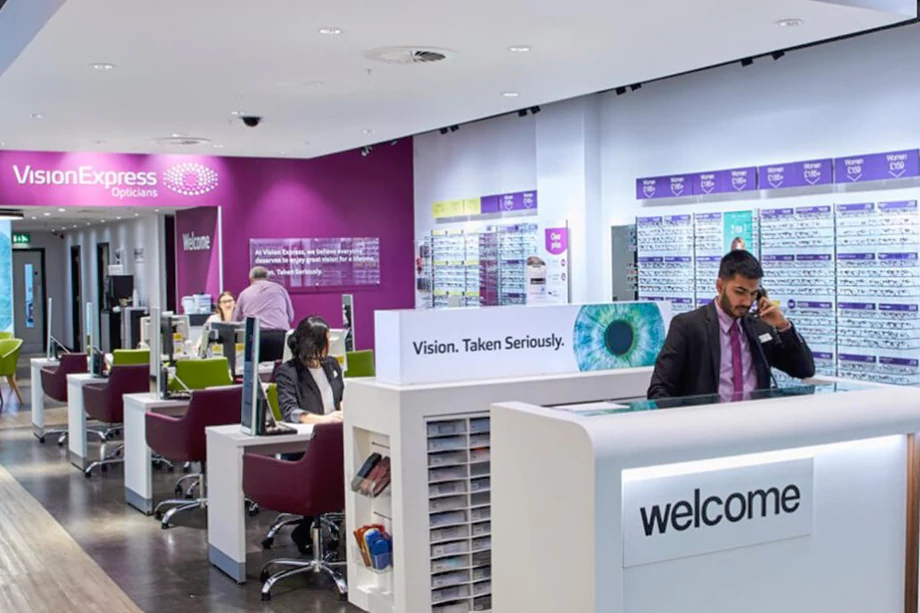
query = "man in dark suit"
{"x": 722, "y": 349}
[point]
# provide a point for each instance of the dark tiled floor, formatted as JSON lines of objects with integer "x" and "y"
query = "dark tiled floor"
{"x": 161, "y": 570}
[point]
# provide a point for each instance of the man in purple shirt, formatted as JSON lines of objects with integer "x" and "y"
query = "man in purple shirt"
{"x": 272, "y": 305}
{"x": 720, "y": 348}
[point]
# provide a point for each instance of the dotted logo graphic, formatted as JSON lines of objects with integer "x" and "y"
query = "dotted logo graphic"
{"x": 190, "y": 179}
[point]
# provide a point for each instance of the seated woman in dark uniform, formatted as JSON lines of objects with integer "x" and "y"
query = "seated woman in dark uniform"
{"x": 310, "y": 389}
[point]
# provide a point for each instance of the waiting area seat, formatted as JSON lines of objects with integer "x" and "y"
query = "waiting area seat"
{"x": 360, "y": 364}
{"x": 202, "y": 374}
{"x": 320, "y": 475}
{"x": 182, "y": 439}
{"x": 105, "y": 402}
{"x": 9, "y": 360}
{"x": 54, "y": 384}
{"x": 128, "y": 357}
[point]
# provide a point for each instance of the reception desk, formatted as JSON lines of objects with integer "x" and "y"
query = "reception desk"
{"x": 802, "y": 499}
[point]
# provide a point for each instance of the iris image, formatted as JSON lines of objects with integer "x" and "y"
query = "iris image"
{"x": 618, "y": 335}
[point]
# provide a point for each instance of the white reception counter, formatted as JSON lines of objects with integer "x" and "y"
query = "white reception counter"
{"x": 803, "y": 501}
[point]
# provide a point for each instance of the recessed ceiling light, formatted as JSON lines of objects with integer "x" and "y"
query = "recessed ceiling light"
{"x": 218, "y": 146}
{"x": 330, "y": 31}
{"x": 37, "y": 116}
{"x": 520, "y": 48}
{"x": 102, "y": 66}
{"x": 789, "y": 23}
{"x": 510, "y": 94}
{"x": 237, "y": 113}
{"x": 118, "y": 218}
{"x": 137, "y": 214}
{"x": 98, "y": 142}
{"x": 62, "y": 210}
{"x": 2, "y": 144}
{"x": 368, "y": 131}
{"x": 156, "y": 210}
{"x": 315, "y": 83}
{"x": 47, "y": 214}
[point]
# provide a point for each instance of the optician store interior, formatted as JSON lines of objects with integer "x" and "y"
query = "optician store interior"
{"x": 499, "y": 212}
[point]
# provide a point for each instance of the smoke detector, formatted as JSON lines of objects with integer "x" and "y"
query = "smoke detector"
{"x": 182, "y": 141}
{"x": 408, "y": 55}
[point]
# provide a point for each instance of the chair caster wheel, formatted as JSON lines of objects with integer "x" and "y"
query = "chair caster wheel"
{"x": 60, "y": 443}
{"x": 170, "y": 469}
{"x": 266, "y": 597}
{"x": 343, "y": 597}
{"x": 104, "y": 468}
{"x": 185, "y": 469}
{"x": 87, "y": 474}
{"x": 158, "y": 516}
{"x": 178, "y": 492}
{"x": 267, "y": 543}
{"x": 253, "y": 511}
{"x": 164, "y": 526}
{"x": 41, "y": 440}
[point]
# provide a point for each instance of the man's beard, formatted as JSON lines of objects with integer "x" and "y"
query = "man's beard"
{"x": 727, "y": 307}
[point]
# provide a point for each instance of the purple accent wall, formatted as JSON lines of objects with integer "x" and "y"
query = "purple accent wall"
{"x": 197, "y": 268}
{"x": 334, "y": 196}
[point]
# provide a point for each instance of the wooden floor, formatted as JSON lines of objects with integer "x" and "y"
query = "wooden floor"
{"x": 161, "y": 571}
{"x": 41, "y": 567}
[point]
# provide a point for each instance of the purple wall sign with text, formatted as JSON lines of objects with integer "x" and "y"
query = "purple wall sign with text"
{"x": 796, "y": 174}
{"x": 725, "y": 181}
{"x": 674, "y": 186}
{"x": 557, "y": 240}
{"x": 877, "y": 166}
{"x": 301, "y": 264}
{"x": 197, "y": 252}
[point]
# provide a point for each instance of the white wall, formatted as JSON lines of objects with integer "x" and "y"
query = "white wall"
{"x": 851, "y": 97}
{"x": 149, "y": 275}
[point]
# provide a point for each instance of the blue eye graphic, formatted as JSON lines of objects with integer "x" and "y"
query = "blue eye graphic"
{"x": 6, "y": 283}
{"x": 612, "y": 336}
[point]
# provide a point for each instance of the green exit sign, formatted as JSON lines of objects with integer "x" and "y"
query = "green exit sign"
{"x": 21, "y": 238}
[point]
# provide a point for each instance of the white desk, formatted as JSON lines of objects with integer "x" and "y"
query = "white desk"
{"x": 38, "y": 394}
{"x": 834, "y": 539}
{"x": 138, "y": 471}
{"x": 76, "y": 417}
{"x": 224, "y": 485}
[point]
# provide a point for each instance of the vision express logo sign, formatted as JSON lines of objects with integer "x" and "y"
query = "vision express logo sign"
{"x": 185, "y": 179}
{"x": 687, "y": 515}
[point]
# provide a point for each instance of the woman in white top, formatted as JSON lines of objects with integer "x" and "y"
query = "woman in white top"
{"x": 224, "y": 312}
{"x": 310, "y": 384}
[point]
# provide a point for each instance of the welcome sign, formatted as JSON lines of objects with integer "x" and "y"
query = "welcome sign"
{"x": 427, "y": 346}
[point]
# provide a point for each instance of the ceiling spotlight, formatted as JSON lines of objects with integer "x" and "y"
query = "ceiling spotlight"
{"x": 747, "y": 61}
{"x": 366, "y": 150}
{"x": 329, "y": 31}
{"x": 789, "y": 23}
{"x": 47, "y": 214}
{"x": 510, "y": 94}
{"x": 534, "y": 110}
{"x": 394, "y": 143}
{"x": 777, "y": 55}
{"x": 136, "y": 215}
{"x": 216, "y": 146}
{"x": 368, "y": 131}
{"x": 37, "y": 115}
{"x": 519, "y": 48}
{"x": 620, "y": 91}
{"x": 102, "y": 66}
{"x": 62, "y": 210}
{"x": 118, "y": 218}
{"x": 635, "y": 87}
{"x": 238, "y": 113}
{"x": 454, "y": 128}
{"x": 522, "y": 113}
{"x": 443, "y": 130}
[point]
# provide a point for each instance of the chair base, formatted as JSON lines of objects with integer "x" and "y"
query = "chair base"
{"x": 178, "y": 506}
{"x": 283, "y": 519}
{"x": 322, "y": 562}
{"x": 105, "y": 460}
{"x": 51, "y": 432}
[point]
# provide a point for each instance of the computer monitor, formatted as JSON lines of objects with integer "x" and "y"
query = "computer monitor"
{"x": 230, "y": 334}
{"x": 153, "y": 342}
{"x": 252, "y": 416}
{"x": 90, "y": 327}
{"x": 49, "y": 340}
{"x": 174, "y": 330}
{"x": 337, "y": 346}
{"x": 97, "y": 362}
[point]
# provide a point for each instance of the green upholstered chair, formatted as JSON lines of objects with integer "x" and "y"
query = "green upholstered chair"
{"x": 271, "y": 393}
{"x": 201, "y": 374}
{"x": 9, "y": 358}
{"x": 130, "y": 357}
{"x": 4, "y": 336}
{"x": 360, "y": 364}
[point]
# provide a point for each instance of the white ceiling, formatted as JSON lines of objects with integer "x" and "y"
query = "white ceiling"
{"x": 184, "y": 65}
{"x": 48, "y": 219}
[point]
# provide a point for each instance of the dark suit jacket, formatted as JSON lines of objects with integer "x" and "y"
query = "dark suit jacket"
{"x": 690, "y": 361}
{"x": 298, "y": 390}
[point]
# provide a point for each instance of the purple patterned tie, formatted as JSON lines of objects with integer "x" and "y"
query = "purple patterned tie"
{"x": 737, "y": 375}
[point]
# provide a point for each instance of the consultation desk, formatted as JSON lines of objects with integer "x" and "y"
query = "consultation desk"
{"x": 76, "y": 418}
{"x": 37, "y": 393}
{"x": 138, "y": 457}
{"x": 224, "y": 484}
{"x": 797, "y": 499}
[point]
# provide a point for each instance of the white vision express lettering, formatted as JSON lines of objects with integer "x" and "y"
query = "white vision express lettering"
{"x": 84, "y": 175}
{"x": 710, "y": 511}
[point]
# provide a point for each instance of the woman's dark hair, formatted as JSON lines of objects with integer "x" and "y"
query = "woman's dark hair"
{"x": 310, "y": 340}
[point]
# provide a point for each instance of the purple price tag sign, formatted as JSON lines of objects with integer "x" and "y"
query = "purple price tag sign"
{"x": 725, "y": 181}
{"x": 773, "y": 213}
{"x": 877, "y": 166}
{"x": 814, "y": 305}
{"x": 704, "y": 301}
{"x": 813, "y": 210}
{"x": 855, "y": 256}
{"x": 897, "y": 256}
{"x": 901, "y": 308}
{"x": 796, "y": 174}
{"x": 489, "y": 204}
{"x": 778, "y": 258}
{"x": 677, "y": 218}
{"x": 648, "y": 221}
{"x": 813, "y": 257}
{"x": 899, "y": 361}
{"x": 710, "y": 259}
{"x": 677, "y": 258}
{"x": 862, "y": 207}
{"x": 904, "y": 205}
{"x": 857, "y": 306}
{"x": 649, "y": 259}
{"x": 822, "y": 355}
{"x": 853, "y": 357}
{"x": 675, "y": 186}
{"x": 708, "y": 216}
{"x": 682, "y": 300}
